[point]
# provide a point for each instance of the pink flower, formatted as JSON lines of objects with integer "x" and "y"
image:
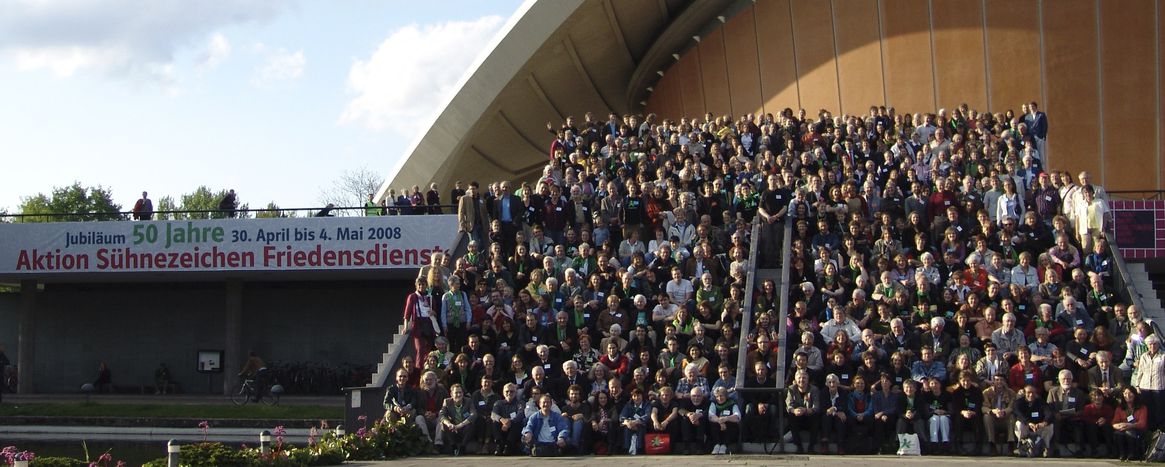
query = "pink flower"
{"x": 361, "y": 432}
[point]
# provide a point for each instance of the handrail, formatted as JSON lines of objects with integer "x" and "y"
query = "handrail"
{"x": 125, "y": 215}
{"x": 1121, "y": 282}
{"x": 783, "y": 316}
{"x": 746, "y": 307}
{"x": 1140, "y": 194}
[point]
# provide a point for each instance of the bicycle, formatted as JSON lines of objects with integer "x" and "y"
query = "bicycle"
{"x": 249, "y": 390}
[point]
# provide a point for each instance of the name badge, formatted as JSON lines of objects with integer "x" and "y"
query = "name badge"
{"x": 559, "y": 209}
{"x": 726, "y": 413}
{"x": 971, "y": 405}
{"x": 513, "y": 414}
{"x": 898, "y": 379}
{"x": 586, "y": 316}
{"x": 535, "y": 338}
{"x": 618, "y": 315}
{"x": 1084, "y": 351}
{"x": 1079, "y": 322}
{"x": 1029, "y": 377}
{"x": 946, "y": 203}
{"x": 1071, "y": 400}
{"x": 481, "y": 403}
{"x": 546, "y": 366}
{"x": 553, "y": 429}
{"x": 1048, "y": 199}
{"x": 1130, "y": 419}
{"x": 1035, "y": 415}
{"x": 844, "y": 376}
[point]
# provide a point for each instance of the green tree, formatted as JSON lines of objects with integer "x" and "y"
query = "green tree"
{"x": 202, "y": 199}
{"x": 75, "y": 202}
{"x": 166, "y": 203}
{"x": 272, "y": 211}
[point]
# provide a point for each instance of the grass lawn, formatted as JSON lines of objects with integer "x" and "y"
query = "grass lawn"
{"x": 250, "y": 411}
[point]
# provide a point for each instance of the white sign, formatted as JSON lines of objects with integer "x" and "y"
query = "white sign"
{"x": 295, "y": 244}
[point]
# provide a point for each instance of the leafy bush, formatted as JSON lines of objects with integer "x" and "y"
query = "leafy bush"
{"x": 382, "y": 441}
{"x": 57, "y": 462}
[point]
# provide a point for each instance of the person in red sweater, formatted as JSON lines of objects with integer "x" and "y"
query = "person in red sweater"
{"x": 1097, "y": 420}
{"x": 1129, "y": 422}
{"x": 1025, "y": 372}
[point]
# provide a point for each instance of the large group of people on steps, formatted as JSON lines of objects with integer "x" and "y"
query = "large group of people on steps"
{"x": 944, "y": 282}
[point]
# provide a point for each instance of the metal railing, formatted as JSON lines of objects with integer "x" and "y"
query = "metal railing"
{"x": 1136, "y": 194}
{"x": 213, "y": 213}
{"x": 746, "y": 307}
{"x": 1121, "y": 282}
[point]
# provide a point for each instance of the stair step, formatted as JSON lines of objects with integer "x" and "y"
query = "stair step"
{"x": 1135, "y": 268}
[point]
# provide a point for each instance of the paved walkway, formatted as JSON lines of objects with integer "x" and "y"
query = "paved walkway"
{"x": 734, "y": 461}
{"x": 170, "y": 399}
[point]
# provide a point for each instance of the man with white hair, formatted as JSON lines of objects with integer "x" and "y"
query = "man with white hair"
{"x": 1067, "y": 404}
{"x": 1149, "y": 380}
{"x": 1008, "y": 339}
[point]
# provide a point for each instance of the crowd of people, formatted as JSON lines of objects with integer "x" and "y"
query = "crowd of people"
{"x": 944, "y": 284}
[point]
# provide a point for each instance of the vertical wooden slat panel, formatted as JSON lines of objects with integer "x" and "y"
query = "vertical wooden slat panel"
{"x": 743, "y": 69}
{"x": 1013, "y": 53}
{"x": 816, "y": 63}
{"x": 714, "y": 73}
{"x": 1128, "y": 54}
{"x": 906, "y": 50}
{"x": 666, "y": 101}
{"x": 1073, "y": 94}
{"x": 777, "y": 67}
{"x": 958, "y": 53}
{"x": 1159, "y": 97}
{"x": 690, "y": 83}
{"x": 860, "y": 61}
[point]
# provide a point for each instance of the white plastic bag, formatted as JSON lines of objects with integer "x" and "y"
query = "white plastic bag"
{"x": 908, "y": 445}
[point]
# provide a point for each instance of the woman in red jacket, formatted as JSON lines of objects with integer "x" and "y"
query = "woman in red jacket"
{"x": 420, "y": 320}
{"x": 1128, "y": 425}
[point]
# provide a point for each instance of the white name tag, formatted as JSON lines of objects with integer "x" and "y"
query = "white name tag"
{"x": 513, "y": 414}
{"x": 1035, "y": 415}
{"x": 1079, "y": 322}
{"x": 481, "y": 403}
{"x": 1130, "y": 419}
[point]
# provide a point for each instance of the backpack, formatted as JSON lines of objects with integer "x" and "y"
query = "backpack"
{"x": 1155, "y": 448}
{"x": 1032, "y": 447}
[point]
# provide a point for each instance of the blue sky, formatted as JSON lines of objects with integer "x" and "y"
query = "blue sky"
{"x": 274, "y": 98}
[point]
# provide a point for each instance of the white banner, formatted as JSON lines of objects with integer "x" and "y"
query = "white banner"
{"x": 297, "y": 244}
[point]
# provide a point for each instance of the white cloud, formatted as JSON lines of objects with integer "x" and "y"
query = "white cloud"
{"x": 217, "y": 51}
{"x": 117, "y": 37}
{"x": 281, "y": 67}
{"x": 412, "y": 72}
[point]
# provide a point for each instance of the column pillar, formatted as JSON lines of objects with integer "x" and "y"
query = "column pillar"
{"x": 26, "y": 337}
{"x": 234, "y": 355}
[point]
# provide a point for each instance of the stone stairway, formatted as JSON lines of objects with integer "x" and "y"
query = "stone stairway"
{"x": 1148, "y": 286}
{"x": 395, "y": 349}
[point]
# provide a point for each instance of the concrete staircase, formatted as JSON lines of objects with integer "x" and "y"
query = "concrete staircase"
{"x": 396, "y": 348}
{"x": 1147, "y": 286}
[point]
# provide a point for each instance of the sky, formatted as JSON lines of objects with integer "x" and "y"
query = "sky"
{"x": 276, "y": 99}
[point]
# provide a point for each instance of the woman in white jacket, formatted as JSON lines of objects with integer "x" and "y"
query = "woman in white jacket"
{"x": 1009, "y": 205}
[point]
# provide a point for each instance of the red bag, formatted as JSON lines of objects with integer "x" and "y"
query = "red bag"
{"x": 657, "y": 443}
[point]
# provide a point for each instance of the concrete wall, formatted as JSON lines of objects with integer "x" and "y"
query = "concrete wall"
{"x": 136, "y": 327}
{"x": 1093, "y": 65}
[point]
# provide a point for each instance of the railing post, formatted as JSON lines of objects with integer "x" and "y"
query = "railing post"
{"x": 265, "y": 442}
{"x": 173, "y": 449}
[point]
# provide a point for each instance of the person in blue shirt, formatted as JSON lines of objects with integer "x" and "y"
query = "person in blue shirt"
{"x": 546, "y": 431}
{"x": 634, "y": 420}
{"x": 928, "y": 367}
